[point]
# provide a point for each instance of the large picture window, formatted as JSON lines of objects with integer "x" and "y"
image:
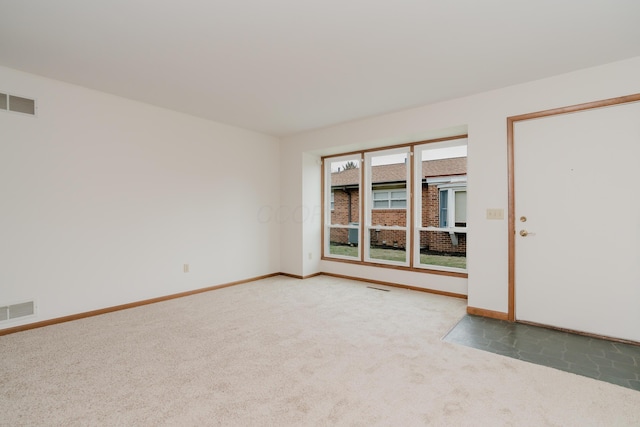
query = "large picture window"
{"x": 404, "y": 207}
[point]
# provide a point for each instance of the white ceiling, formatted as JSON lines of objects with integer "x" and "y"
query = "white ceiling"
{"x": 286, "y": 66}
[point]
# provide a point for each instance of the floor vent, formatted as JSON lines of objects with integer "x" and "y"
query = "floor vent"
{"x": 15, "y": 311}
{"x": 17, "y": 104}
{"x": 378, "y": 289}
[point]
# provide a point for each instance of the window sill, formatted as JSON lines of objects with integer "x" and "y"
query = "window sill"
{"x": 461, "y": 274}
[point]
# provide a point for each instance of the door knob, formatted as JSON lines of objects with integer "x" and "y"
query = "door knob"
{"x": 524, "y": 233}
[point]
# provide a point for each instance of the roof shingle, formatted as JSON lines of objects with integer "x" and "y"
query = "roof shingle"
{"x": 397, "y": 172}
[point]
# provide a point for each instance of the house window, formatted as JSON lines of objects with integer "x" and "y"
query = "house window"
{"x": 389, "y": 199}
{"x": 453, "y": 207}
{"x": 401, "y": 207}
{"x": 444, "y": 212}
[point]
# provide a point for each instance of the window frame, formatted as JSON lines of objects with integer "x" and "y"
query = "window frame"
{"x": 414, "y": 214}
{"x": 329, "y": 208}
{"x": 445, "y": 182}
{"x": 451, "y": 208}
{"x": 368, "y": 208}
{"x": 443, "y": 207}
{"x": 388, "y": 199}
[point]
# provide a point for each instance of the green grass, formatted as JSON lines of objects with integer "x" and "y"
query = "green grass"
{"x": 444, "y": 260}
{"x": 400, "y": 255}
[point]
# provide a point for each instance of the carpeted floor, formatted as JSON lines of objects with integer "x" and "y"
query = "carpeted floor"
{"x": 280, "y": 352}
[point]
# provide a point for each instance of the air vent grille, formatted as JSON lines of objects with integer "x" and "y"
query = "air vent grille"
{"x": 16, "y": 311}
{"x": 17, "y": 104}
{"x": 378, "y": 289}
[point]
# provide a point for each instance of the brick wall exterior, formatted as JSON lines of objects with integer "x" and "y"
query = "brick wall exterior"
{"x": 340, "y": 213}
{"x": 440, "y": 242}
{"x": 432, "y": 241}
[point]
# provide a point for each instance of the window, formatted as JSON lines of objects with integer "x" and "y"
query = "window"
{"x": 387, "y": 218}
{"x": 389, "y": 199}
{"x": 460, "y": 213}
{"x": 342, "y": 176}
{"x": 400, "y": 206}
{"x": 456, "y": 215}
{"x": 444, "y": 212}
{"x": 440, "y": 233}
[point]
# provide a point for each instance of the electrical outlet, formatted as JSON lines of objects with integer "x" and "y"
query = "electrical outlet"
{"x": 495, "y": 213}
{"x": 310, "y": 255}
{"x": 185, "y": 268}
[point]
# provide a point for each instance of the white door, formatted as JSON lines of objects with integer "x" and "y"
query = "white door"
{"x": 577, "y": 195}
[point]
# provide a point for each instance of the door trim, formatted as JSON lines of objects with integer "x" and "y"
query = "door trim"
{"x": 511, "y": 173}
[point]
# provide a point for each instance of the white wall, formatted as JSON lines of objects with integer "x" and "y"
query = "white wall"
{"x": 485, "y": 116}
{"x": 290, "y": 205}
{"x": 104, "y": 199}
{"x": 311, "y": 214}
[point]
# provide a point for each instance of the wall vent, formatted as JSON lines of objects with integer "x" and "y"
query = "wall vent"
{"x": 15, "y": 311}
{"x": 17, "y": 104}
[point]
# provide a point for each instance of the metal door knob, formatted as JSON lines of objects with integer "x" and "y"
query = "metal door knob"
{"x": 524, "y": 233}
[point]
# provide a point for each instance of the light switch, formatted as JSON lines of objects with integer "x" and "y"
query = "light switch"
{"x": 495, "y": 213}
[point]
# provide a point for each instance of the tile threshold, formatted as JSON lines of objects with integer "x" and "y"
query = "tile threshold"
{"x": 610, "y": 361}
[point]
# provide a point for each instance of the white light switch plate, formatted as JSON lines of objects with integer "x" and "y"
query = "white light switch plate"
{"x": 495, "y": 213}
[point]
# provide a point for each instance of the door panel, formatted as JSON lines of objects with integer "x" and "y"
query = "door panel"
{"x": 576, "y": 182}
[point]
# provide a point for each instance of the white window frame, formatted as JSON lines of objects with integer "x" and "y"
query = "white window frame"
{"x": 389, "y": 198}
{"x": 328, "y": 198}
{"x": 451, "y": 190}
{"x": 368, "y": 207}
{"x": 454, "y": 182}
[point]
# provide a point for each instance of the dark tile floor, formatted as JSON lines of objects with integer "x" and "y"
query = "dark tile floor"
{"x": 604, "y": 360}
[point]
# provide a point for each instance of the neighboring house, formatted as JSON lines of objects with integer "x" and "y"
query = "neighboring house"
{"x": 444, "y": 200}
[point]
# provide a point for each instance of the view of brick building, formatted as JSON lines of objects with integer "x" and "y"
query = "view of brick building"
{"x": 443, "y": 190}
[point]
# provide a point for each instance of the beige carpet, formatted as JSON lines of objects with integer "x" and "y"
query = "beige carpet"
{"x": 286, "y": 352}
